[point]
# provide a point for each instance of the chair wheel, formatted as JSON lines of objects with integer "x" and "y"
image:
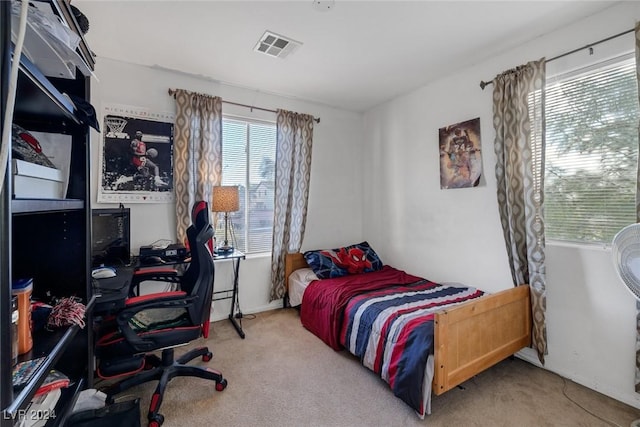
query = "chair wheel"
{"x": 156, "y": 420}
{"x": 207, "y": 357}
{"x": 221, "y": 385}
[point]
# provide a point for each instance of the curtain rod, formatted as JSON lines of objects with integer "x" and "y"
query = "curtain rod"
{"x": 483, "y": 84}
{"x": 172, "y": 92}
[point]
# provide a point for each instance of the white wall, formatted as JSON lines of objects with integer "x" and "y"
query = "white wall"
{"x": 455, "y": 235}
{"x": 335, "y": 202}
{"x": 382, "y": 184}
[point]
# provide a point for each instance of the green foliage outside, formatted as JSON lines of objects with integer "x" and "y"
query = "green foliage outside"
{"x": 591, "y": 120}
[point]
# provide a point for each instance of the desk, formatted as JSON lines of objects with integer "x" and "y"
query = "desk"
{"x": 235, "y": 257}
{"x": 111, "y": 293}
{"x": 115, "y": 290}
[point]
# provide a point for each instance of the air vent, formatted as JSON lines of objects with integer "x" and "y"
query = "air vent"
{"x": 275, "y": 45}
{"x": 323, "y": 6}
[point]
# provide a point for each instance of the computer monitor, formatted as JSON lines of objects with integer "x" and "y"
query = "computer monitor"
{"x": 110, "y": 237}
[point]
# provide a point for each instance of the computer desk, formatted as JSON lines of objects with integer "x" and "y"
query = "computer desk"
{"x": 235, "y": 257}
{"x": 114, "y": 291}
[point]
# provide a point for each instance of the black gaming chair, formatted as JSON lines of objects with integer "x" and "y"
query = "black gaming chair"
{"x": 162, "y": 321}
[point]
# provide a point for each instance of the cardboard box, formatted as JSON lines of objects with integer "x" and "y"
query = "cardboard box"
{"x": 32, "y": 181}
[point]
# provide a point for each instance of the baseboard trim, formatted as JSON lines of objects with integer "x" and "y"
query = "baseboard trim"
{"x": 530, "y": 355}
{"x": 271, "y": 306}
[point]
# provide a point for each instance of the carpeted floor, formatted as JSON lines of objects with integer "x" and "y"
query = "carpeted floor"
{"x": 282, "y": 375}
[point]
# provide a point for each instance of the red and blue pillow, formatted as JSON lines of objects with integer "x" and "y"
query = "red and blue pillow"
{"x": 353, "y": 259}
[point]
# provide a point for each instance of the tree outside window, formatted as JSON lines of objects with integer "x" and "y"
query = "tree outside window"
{"x": 591, "y": 153}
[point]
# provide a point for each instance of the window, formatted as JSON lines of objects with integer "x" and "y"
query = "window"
{"x": 248, "y": 161}
{"x": 591, "y": 152}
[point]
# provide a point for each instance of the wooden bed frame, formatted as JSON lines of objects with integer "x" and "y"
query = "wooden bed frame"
{"x": 472, "y": 336}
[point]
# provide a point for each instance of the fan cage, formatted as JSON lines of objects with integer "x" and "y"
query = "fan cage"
{"x": 625, "y": 250}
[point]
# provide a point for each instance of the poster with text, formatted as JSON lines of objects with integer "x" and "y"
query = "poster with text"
{"x": 460, "y": 158}
{"x": 136, "y": 156}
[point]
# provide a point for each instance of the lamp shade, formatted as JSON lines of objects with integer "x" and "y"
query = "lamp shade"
{"x": 225, "y": 198}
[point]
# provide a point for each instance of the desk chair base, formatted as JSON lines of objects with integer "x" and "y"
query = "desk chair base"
{"x": 163, "y": 370}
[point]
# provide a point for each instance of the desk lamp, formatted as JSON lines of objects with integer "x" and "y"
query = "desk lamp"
{"x": 225, "y": 199}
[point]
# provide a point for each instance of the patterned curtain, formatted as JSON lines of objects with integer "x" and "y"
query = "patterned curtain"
{"x": 197, "y": 152}
{"x": 518, "y": 119}
{"x": 637, "y": 379}
{"x": 294, "y": 138}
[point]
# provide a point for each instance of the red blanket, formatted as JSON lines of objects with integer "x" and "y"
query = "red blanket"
{"x": 324, "y": 301}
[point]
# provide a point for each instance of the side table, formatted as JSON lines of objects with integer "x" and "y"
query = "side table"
{"x": 235, "y": 257}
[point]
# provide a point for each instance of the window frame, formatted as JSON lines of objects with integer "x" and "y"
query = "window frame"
{"x": 246, "y": 121}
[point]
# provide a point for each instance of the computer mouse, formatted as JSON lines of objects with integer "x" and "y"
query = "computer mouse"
{"x": 103, "y": 273}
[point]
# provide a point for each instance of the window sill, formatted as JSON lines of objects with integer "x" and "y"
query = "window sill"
{"x": 258, "y": 255}
{"x": 604, "y": 247}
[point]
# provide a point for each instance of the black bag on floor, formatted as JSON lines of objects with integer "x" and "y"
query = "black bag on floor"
{"x": 121, "y": 414}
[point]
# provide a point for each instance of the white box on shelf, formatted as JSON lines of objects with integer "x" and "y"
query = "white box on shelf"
{"x": 49, "y": 44}
{"x": 33, "y": 181}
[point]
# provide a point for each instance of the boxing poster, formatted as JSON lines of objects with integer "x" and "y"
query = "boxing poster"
{"x": 460, "y": 159}
{"x": 136, "y": 157}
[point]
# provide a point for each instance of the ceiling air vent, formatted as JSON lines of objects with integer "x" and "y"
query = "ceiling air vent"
{"x": 275, "y": 45}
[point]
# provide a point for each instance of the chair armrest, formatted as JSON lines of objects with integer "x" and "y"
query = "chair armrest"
{"x": 156, "y": 274}
{"x": 158, "y": 297}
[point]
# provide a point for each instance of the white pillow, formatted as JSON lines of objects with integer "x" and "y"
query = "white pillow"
{"x": 304, "y": 275}
{"x": 298, "y": 282}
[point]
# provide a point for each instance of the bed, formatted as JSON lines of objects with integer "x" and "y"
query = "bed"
{"x": 466, "y": 335}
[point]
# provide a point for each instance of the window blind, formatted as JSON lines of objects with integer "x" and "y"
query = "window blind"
{"x": 248, "y": 161}
{"x": 591, "y": 153}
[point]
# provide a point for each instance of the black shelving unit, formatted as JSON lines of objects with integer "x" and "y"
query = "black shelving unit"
{"x": 47, "y": 240}
{"x": 6, "y": 395}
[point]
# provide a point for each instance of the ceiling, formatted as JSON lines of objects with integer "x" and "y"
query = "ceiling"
{"x": 354, "y": 56}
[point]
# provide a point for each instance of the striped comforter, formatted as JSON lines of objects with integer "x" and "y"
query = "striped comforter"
{"x": 385, "y": 318}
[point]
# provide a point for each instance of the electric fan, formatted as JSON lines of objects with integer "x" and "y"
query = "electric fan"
{"x": 625, "y": 249}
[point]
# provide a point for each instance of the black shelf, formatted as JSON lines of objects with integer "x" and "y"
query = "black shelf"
{"x": 62, "y": 8}
{"x": 39, "y": 97}
{"x": 58, "y": 260}
{"x": 25, "y": 206}
{"x": 65, "y": 404}
{"x": 49, "y": 344}
{"x": 5, "y": 223}
{"x": 61, "y": 339}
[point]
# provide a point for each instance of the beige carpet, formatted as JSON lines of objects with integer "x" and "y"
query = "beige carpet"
{"x": 282, "y": 375}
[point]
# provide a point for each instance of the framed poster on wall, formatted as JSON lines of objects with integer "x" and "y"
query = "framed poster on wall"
{"x": 460, "y": 158}
{"x": 136, "y": 156}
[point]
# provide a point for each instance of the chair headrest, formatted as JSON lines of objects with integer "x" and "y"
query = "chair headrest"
{"x": 200, "y": 215}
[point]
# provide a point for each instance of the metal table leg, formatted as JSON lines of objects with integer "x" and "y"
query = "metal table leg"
{"x": 235, "y": 303}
